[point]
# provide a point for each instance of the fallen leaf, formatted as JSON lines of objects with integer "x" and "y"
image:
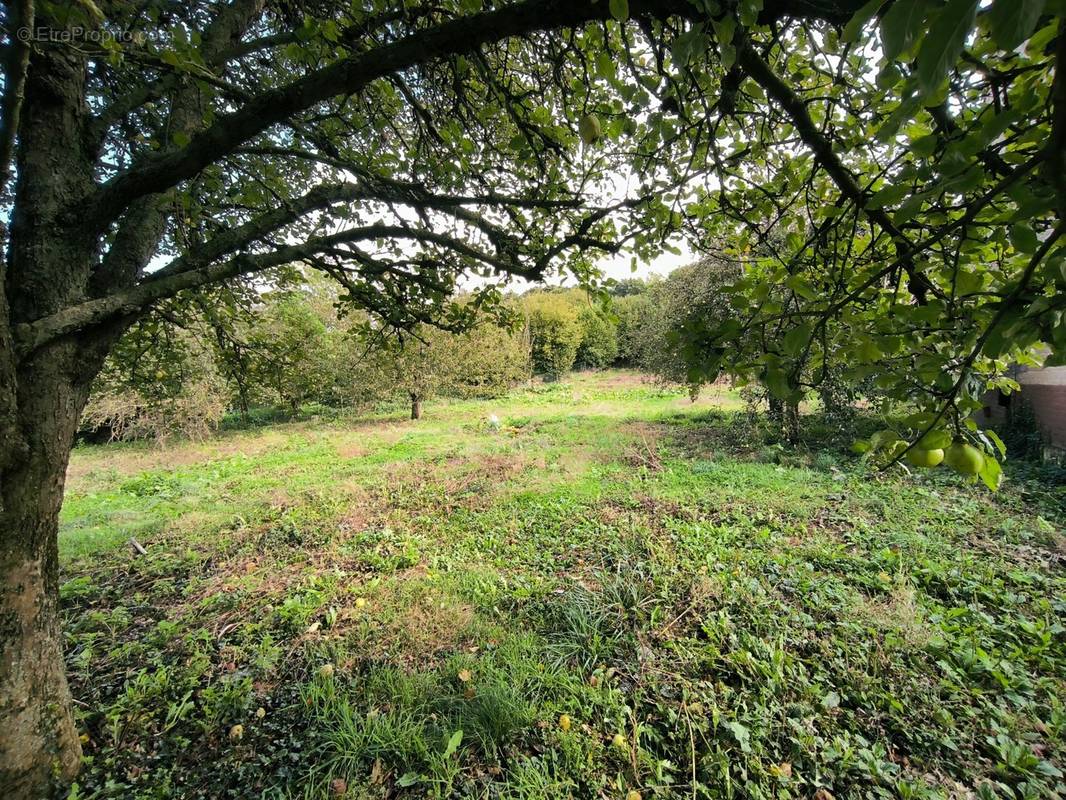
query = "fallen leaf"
{"x": 377, "y": 772}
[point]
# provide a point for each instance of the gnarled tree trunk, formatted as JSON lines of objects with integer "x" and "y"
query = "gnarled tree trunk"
{"x": 49, "y": 264}
{"x": 39, "y": 747}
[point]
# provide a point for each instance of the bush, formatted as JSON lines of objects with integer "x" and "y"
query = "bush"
{"x": 555, "y": 332}
{"x": 599, "y": 340}
{"x": 630, "y": 312}
{"x": 177, "y": 393}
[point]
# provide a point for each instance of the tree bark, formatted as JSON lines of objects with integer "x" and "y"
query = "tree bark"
{"x": 791, "y": 421}
{"x": 416, "y": 406}
{"x": 39, "y": 748}
{"x": 47, "y": 266}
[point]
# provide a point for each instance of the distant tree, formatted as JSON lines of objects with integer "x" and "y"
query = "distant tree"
{"x": 426, "y": 362}
{"x": 627, "y": 287}
{"x": 555, "y": 332}
{"x": 293, "y": 351}
{"x": 599, "y": 339}
{"x": 689, "y": 297}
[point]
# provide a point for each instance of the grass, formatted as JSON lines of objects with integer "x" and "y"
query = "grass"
{"x": 377, "y": 607}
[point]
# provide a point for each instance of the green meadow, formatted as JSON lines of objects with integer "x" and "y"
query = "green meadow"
{"x": 583, "y": 589}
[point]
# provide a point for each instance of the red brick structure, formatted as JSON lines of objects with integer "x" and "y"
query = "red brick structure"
{"x": 1043, "y": 391}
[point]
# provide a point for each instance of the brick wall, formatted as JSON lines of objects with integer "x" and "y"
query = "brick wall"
{"x": 1045, "y": 391}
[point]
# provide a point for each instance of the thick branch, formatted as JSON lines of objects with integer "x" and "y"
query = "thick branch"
{"x": 158, "y": 172}
{"x": 30, "y": 336}
{"x": 242, "y": 235}
{"x": 822, "y": 149}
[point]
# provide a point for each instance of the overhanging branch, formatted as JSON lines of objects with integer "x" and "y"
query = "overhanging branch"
{"x": 761, "y": 72}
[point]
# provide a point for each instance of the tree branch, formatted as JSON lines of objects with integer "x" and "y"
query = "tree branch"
{"x": 17, "y": 61}
{"x": 235, "y": 238}
{"x": 30, "y": 336}
{"x": 793, "y": 105}
{"x": 158, "y": 172}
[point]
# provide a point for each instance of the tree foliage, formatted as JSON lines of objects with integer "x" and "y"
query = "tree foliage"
{"x": 555, "y": 332}
{"x": 915, "y": 239}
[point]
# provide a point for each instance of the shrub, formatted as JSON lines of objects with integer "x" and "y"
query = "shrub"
{"x": 599, "y": 340}
{"x": 178, "y": 393}
{"x": 555, "y": 332}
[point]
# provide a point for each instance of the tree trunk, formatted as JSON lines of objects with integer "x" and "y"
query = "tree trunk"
{"x": 775, "y": 409}
{"x": 39, "y": 748}
{"x": 791, "y": 421}
{"x": 416, "y": 406}
{"x": 48, "y": 265}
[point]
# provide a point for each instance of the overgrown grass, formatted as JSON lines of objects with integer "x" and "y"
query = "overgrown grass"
{"x": 391, "y": 608}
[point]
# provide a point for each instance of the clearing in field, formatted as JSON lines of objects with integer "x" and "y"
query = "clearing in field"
{"x": 614, "y": 590}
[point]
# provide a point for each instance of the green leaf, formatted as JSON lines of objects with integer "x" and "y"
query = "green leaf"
{"x": 1023, "y": 238}
{"x": 994, "y": 438}
{"x": 869, "y": 352}
{"x": 901, "y": 26}
{"x": 749, "y": 12}
{"x": 453, "y": 743}
{"x": 942, "y": 45}
{"x": 796, "y": 339}
{"x": 857, "y": 22}
{"x": 741, "y": 734}
{"x": 724, "y": 29}
{"x": 777, "y": 382}
{"x": 728, "y": 55}
{"x": 991, "y": 473}
{"x": 888, "y": 196}
{"x": 924, "y": 146}
{"x": 1011, "y": 21}
{"x": 910, "y": 207}
{"x": 619, "y": 9}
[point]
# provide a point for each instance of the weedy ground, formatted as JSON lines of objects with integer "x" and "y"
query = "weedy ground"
{"x": 614, "y": 590}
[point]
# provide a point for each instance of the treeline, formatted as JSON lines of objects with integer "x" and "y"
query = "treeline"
{"x": 293, "y": 345}
{"x": 288, "y": 348}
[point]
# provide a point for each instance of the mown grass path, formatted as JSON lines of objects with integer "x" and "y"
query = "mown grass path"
{"x": 325, "y": 605}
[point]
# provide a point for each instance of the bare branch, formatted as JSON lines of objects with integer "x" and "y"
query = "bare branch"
{"x": 17, "y": 61}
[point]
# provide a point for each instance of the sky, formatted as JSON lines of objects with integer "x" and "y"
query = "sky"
{"x": 616, "y": 267}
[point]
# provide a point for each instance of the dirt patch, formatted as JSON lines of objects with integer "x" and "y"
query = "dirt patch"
{"x": 643, "y": 452}
{"x": 471, "y": 483}
{"x": 897, "y": 612}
